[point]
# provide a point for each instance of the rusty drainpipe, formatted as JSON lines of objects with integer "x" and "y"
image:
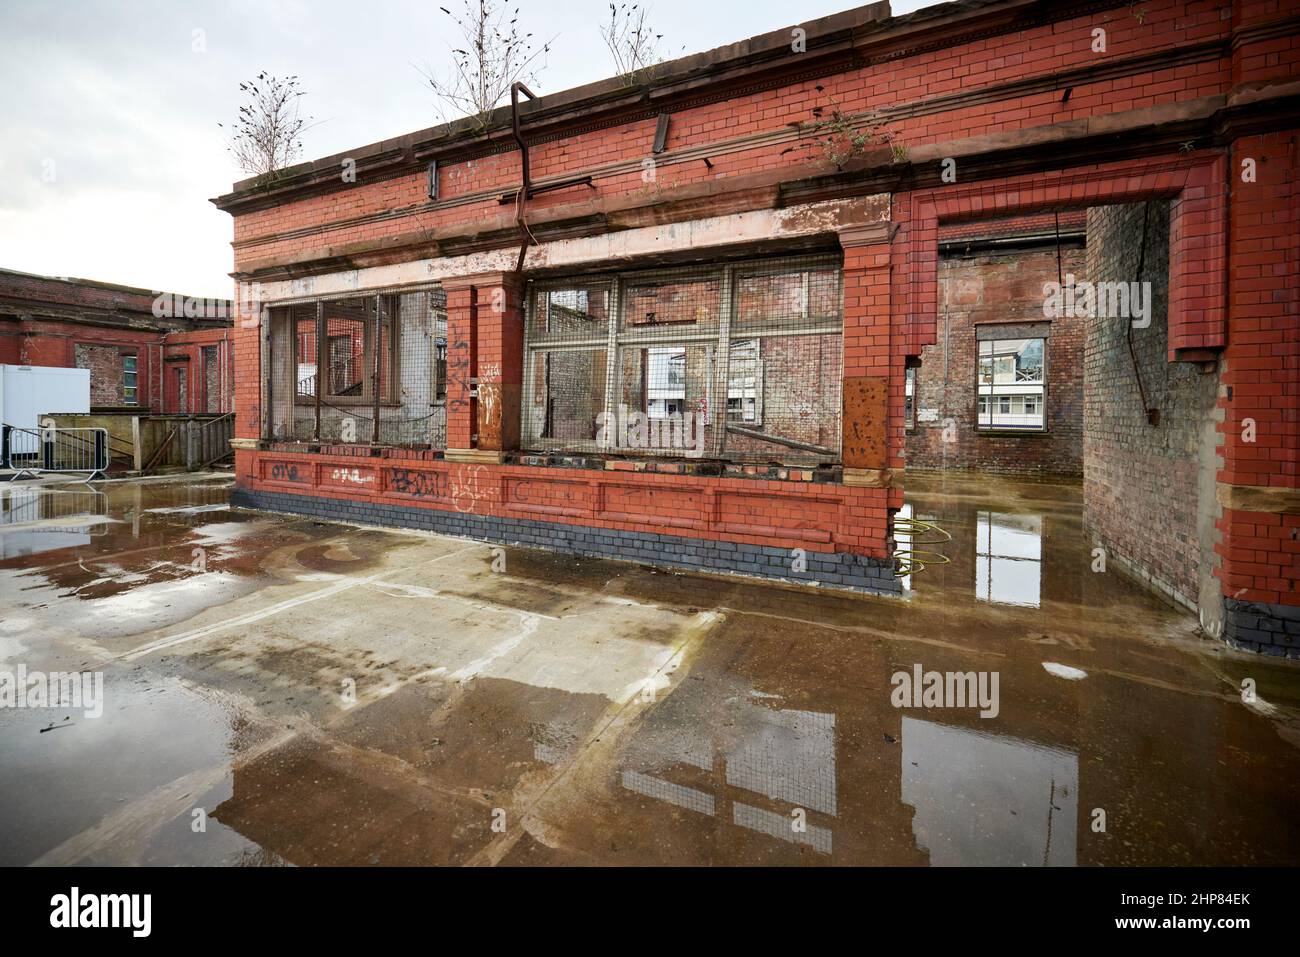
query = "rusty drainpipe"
{"x": 526, "y": 187}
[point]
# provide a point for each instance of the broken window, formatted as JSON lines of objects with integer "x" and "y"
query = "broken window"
{"x": 1011, "y": 383}
{"x": 305, "y": 351}
{"x": 739, "y": 362}
{"x": 745, "y": 383}
{"x": 213, "y": 390}
{"x": 332, "y": 364}
{"x": 569, "y": 326}
{"x": 350, "y": 330}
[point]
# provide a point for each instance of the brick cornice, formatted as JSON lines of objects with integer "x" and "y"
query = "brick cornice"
{"x": 1109, "y": 69}
{"x": 1130, "y": 134}
{"x": 836, "y": 43}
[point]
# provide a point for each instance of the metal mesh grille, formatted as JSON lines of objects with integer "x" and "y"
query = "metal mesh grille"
{"x": 742, "y": 362}
{"x": 389, "y": 348}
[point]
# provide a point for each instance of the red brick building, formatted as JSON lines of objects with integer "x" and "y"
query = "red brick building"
{"x": 142, "y": 349}
{"x": 680, "y": 332}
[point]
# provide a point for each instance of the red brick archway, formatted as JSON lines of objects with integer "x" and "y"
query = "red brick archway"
{"x": 1198, "y": 237}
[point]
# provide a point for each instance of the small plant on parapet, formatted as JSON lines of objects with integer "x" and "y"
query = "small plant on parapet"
{"x": 267, "y": 133}
{"x": 837, "y": 138}
{"x": 493, "y": 55}
{"x": 632, "y": 43}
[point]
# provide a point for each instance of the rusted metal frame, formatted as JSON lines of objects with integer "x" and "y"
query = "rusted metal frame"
{"x": 721, "y": 387}
{"x": 779, "y": 440}
{"x": 613, "y": 384}
{"x": 321, "y": 362}
{"x": 378, "y": 340}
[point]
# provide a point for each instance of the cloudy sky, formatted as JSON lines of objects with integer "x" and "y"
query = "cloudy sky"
{"x": 109, "y": 143}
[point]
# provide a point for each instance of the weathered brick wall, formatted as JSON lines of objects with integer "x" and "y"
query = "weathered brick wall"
{"x": 1002, "y": 85}
{"x": 11, "y": 343}
{"x": 1259, "y": 541}
{"x": 1142, "y": 497}
{"x": 998, "y": 287}
{"x": 74, "y": 345}
{"x": 79, "y": 323}
{"x": 82, "y": 294}
{"x": 210, "y": 371}
{"x": 747, "y": 526}
{"x": 106, "y": 373}
{"x": 751, "y": 132}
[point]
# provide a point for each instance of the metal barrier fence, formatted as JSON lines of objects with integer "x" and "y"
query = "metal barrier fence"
{"x": 36, "y": 451}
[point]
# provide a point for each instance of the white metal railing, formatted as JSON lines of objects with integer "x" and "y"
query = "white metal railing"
{"x": 37, "y": 451}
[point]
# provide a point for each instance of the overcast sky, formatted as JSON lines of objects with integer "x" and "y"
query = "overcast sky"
{"x": 109, "y": 144}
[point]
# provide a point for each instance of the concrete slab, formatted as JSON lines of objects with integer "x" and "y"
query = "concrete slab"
{"x": 279, "y": 690}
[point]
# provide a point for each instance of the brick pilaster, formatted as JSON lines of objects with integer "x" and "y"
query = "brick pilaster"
{"x": 485, "y": 342}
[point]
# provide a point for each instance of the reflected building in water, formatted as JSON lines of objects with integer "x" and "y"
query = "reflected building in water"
{"x": 767, "y": 763}
{"x": 989, "y": 800}
{"x": 1009, "y": 558}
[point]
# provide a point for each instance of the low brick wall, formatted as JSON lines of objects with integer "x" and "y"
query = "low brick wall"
{"x": 746, "y": 526}
{"x": 836, "y": 570}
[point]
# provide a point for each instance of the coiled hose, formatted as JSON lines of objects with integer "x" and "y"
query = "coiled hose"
{"x": 909, "y": 560}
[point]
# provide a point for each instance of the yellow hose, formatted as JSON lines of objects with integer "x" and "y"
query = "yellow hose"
{"x": 908, "y": 561}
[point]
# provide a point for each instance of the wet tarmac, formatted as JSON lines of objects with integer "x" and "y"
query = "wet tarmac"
{"x": 280, "y": 691}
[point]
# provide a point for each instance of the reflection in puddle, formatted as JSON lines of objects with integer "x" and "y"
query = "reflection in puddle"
{"x": 35, "y": 520}
{"x": 989, "y": 800}
{"x": 774, "y": 825}
{"x": 1008, "y": 558}
{"x": 788, "y": 756}
{"x": 785, "y": 756}
{"x": 107, "y": 772}
{"x": 24, "y": 504}
{"x": 17, "y": 543}
{"x": 661, "y": 790}
{"x": 919, "y": 542}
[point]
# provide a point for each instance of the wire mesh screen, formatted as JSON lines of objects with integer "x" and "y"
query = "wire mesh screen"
{"x": 334, "y": 362}
{"x": 742, "y": 362}
{"x": 564, "y": 397}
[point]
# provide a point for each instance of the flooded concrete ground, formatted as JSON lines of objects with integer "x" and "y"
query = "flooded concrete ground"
{"x": 284, "y": 691}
